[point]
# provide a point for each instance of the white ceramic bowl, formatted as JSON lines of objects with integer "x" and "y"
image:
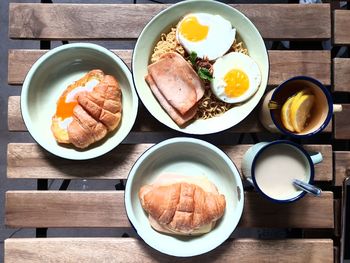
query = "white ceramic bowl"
{"x": 49, "y": 77}
{"x": 189, "y": 157}
{"x": 162, "y": 23}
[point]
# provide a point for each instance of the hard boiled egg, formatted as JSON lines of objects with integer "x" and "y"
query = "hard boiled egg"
{"x": 236, "y": 77}
{"x": 208, "y": 35}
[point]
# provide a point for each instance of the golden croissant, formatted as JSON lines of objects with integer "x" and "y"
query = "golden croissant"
{"x": 181, "y": 207}
{"x": 87, "y": 110}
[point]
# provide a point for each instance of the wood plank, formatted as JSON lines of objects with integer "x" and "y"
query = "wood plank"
{"x": 27, "y": 160}
{"x": 259, "y": 212}
{"x": 145, "y": 122}
{"x": 341, "y": 27}
{"x": 14, "y": 115}
{"x": 287, "y": 64}
{"x": 118, "y": 250}
{"x": 21, "y": 60}
{"x": 284, "y": 64}
{"x": 341, "y": 71}
{"x": 342, "y": 167}
{"x": 342, "y": 123}
{"x": 31, "y": 161}
{"x": 84, "y": 21}
{"x": 106, "y": 209}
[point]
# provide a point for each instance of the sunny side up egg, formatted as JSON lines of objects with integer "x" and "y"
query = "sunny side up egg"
{"x": 236, "y": 77}
{"x": 67, "y": 102}
{"x": 208, "y": 35}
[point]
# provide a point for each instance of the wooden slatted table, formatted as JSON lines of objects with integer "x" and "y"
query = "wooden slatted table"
{"x": 95, "y": 209}
{"x": 341, "y": 67}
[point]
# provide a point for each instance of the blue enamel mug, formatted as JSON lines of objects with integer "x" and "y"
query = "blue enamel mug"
{"x": 271, "y": 168}
{"x": 320, "y": 115}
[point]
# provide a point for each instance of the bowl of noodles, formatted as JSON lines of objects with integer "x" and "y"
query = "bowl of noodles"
{"x": 213, "y": 113}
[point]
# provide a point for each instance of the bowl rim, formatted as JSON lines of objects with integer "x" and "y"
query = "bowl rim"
{"x": 223, "y": 5}
{"x": 25, "y": 93}
{"x": 168, "y": 143}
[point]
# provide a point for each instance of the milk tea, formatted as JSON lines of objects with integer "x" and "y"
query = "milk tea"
{"x": 275, "y": 169}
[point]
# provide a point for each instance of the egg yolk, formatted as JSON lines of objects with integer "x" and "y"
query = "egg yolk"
{"x": 237, "y": 83}
{"x": 65, "y": 109}
{"x": 192, "y": 30}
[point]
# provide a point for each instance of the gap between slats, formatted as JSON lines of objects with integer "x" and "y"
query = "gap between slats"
{"x": 112, "y": 21}
{"x": 133, "y": 250}
{"x": 283, "y": 64}
{"x": 28, "y": 160}
{"x": 106, "y": 209}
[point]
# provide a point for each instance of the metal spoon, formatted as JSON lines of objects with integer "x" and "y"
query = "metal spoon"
{"x": 309, "y": 188}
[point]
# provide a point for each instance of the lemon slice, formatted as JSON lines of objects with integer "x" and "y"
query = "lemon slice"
{"x": 300, "y": 110}
{"x": 285, "y": 114}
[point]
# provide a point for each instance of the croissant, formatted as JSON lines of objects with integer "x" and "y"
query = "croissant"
{"x": 181, "y": 207}
{"x": 87, "y": 110}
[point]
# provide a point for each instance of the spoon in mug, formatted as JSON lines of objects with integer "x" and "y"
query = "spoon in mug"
{"x": 311, "y": 189}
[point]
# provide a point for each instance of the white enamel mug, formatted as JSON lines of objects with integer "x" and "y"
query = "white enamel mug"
{"x": 323, "y": 109}
{"x": 271, "y": 167}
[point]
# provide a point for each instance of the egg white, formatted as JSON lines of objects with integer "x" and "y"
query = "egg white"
{"x": 218, "y": 41}
{"x": 235, "y": 60}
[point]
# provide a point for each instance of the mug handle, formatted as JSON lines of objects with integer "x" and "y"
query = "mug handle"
{"x": 316, "y": 157}
{"x": 337, "y": 107}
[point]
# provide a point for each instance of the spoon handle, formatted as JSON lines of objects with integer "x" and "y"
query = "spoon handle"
{"x": 307, "y": 187}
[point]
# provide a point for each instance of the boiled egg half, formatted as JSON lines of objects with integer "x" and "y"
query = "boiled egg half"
{"x": 236, "y": 77}
{"x": 208, "y": 35}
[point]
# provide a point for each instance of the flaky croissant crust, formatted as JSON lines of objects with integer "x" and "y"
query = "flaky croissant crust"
{"x": 182, "y": 207}
{"x": 97, "y": 113}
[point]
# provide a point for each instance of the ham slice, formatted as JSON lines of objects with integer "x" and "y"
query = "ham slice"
{"x": 176, "y": 86}
{"x": 192, "y": 76}
{"x": 173, "y": 113}
{"x": 177, "y": 81}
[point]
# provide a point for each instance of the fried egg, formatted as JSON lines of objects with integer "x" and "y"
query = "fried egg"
{"x": 67, "y": 102}
{"x": 236, "y": 77}
{"x": 208, "y": 35}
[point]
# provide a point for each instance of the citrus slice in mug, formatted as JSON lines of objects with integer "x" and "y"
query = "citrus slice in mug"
{"x": 285, "y": 114}
{"x": 300, "y": 111}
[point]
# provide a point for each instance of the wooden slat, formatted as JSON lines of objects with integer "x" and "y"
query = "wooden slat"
{"x": 21, "y": 60}
{"x": 341, "y": 69}
{"x": 259, "y": 212}
{"x": 283, "y": 64}
{"x": 31, "y": 161}
{"x": 342, "y": 123}
{"x": 25, "y": 160}
{"x": 341, "y": 167}
{"x": 106, "y": 209}
{"x": 14, "y": 115}
{"x": 100, "y": 21}
{"x": 132, "y": 250}
{"x": 145, "y": 122}
{"x": 341, "y": 27}
{"x": 287, "y": 64}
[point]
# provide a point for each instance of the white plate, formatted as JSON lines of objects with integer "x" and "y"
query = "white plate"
{"x": 190, "y": 157}
{"x": 169, "y": 18}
